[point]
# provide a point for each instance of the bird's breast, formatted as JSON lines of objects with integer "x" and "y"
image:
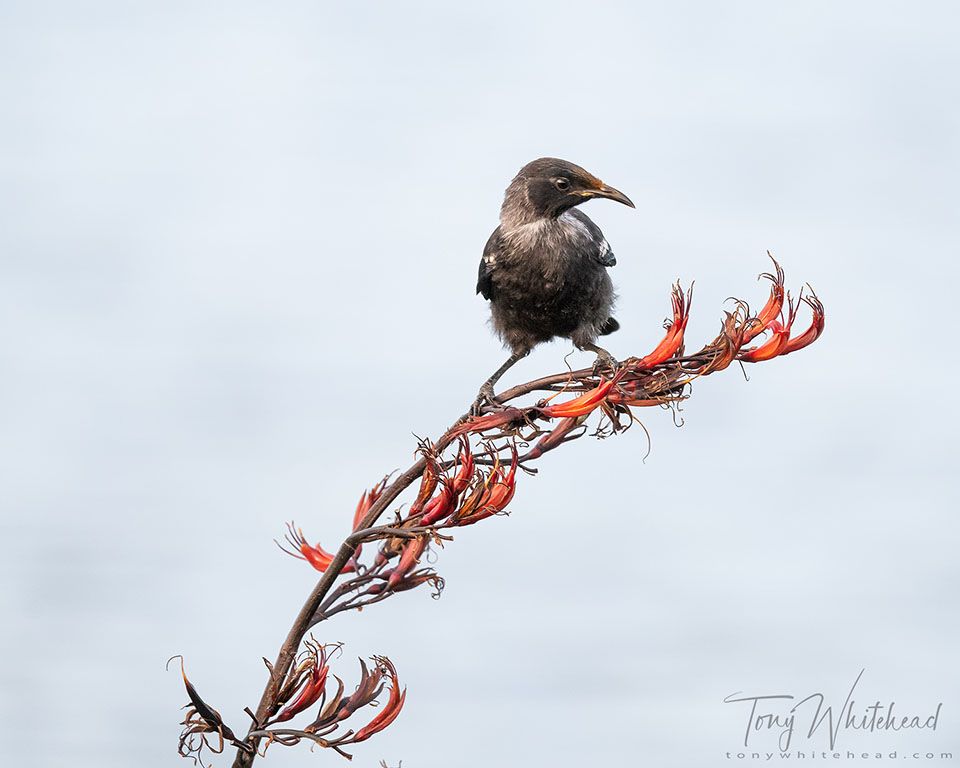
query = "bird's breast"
{"x": 551, "y": 252}
{"x": 548, "y": 234}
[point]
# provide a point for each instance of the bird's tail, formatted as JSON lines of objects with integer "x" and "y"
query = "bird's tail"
{"x": 609, "y": 327}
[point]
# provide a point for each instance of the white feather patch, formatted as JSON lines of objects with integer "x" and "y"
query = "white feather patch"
{"x": 575, "y": 226}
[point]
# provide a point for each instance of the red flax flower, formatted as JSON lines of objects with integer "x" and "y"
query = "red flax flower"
{"x": 780, "y": 343}
{"x": 474, "y": 501}
{"x": 390, "y": 710}
{"x": 816, "y": 327}
{"x": 440, "y": 505}
{"x": 312, "y": 678}
{"x": 465, "y": 473}
{"x": 673, "y": 340}
{"x": 428, "y": 481}
{"x": 445, "y": 502}
{"x": 478, "y": 500}
{"x": 504, "y": 486}
{"x": 771, "y": 310}
{"x": 587, "y": 402}
{"x": 491, "y": 494}
{"x": 368, "y": 499}
{"x": 316, "y": 555}
{"x": 779, "y": 336}
{"x": 409, "y": 558}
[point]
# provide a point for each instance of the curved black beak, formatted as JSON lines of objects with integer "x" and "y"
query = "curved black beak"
{"x": 611, "y": 194}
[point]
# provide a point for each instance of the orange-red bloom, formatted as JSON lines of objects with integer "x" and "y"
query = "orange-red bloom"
{"x": 440, "y": 505}
{"x": 771, "y": 310}
{"x": 368, "y": 499}
{"x": 314, "y": 670}
{"x": 409, "y": 558}
{"x": 491, "y": 494}
{"x": 428, "y": 481}
{"x": 465, "y": 473}
{"x": 504, "y": 486}
{"x": 780, "y": 343}
{"x": 587, "y": 402}
{"x": 779, "y": 336}
{"x": 673, "y": 340}
{"x": 772, "y": 347}
{"x": 366, "y": 502}
{"x": 318, "y": 557}
{"x": 816, "y": 326}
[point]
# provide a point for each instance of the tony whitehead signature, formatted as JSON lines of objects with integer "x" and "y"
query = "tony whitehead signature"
{"x": 770, "y": 713}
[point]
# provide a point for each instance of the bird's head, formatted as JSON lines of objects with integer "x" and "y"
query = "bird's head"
{"x": 547, "y": 187}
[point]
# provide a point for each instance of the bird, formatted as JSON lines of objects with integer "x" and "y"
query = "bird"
{"x": 544, "y": 268}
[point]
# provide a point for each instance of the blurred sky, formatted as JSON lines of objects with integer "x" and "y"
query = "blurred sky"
{"x": 239, "y": 246}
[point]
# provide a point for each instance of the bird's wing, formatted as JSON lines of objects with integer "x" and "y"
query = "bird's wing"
{"x": 597, "y": 248}
{"x": 488, "y": 265}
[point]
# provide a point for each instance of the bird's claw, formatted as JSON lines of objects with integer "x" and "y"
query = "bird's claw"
{"x": 605, "y": 360}
{"x": 485, "y": 396}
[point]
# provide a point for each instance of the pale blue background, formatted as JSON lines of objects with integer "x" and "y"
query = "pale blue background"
{"x": 239, "y": 244}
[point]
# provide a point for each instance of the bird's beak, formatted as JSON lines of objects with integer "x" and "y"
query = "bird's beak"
{"x": 610, "y": 193}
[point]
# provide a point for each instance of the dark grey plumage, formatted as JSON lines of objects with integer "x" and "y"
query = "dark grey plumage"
{"x": 544, "y": 269}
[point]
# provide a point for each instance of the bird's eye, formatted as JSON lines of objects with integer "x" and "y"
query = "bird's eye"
{"x": 562, "y": 184}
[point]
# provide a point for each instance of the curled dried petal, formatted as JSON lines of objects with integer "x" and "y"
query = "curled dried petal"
{"x": 208, "y": 713}
{"x": 557, "y": 436}
{"x": 417, "y": 578}
{"x": 722, "y": 351}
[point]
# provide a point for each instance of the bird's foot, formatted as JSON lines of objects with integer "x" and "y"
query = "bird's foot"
{"x": 605, "y": 360}
{"x": 485, "y": 397}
